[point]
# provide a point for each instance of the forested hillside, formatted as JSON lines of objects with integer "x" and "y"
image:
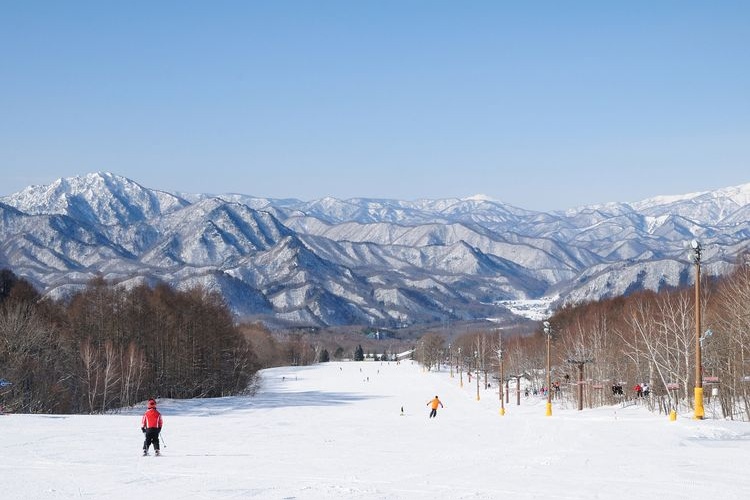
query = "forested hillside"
{"x": 109, "y": 347}
{"x": 643, "y": 338}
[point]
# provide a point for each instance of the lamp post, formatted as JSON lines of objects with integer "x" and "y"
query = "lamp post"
{"x": 696, "y": 255}
{"x": 548, "y": 332}
{"x": 502, "y": 376}
{"x": 476, "y": 360}
{"x": 450, "y": 359}
{"x": 460, "y": 368}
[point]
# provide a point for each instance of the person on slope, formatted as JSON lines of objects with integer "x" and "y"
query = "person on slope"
{"x": 434, "y": 405}
{"x": 638, "y": 390}
{"x": 151, "y": 426}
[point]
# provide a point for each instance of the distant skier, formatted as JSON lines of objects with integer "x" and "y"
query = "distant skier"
{"x": 646, "y": 389}
{"x": 434, "y": 405}
{"x": 638, "y": 390}
{"x": 151, "y": 426}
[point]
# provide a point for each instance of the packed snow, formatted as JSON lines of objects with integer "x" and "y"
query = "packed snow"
{"x": 337, "y": 431}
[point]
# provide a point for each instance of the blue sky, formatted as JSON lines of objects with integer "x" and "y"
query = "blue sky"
{"x": 543, "y": 105}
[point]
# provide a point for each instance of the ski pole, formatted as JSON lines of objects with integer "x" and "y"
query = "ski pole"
{"x": 162, "y": 439}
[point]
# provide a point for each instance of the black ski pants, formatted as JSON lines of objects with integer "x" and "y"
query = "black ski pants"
{"x": 152, "y": 436}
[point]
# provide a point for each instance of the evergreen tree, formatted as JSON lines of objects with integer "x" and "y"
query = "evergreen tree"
{"x": 324, "y": 357}
{"x": 7, "y": 281}
{"x": 359, "y": 353}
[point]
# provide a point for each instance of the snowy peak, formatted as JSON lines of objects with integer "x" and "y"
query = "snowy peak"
{"x": 101, "y": 198}
{"x": 738, "y": 195}
{"x": 361, "y": 260}
{"x": 478, "y": 197}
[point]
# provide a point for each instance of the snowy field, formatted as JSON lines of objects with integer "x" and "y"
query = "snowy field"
{"x": 326, "y": 431}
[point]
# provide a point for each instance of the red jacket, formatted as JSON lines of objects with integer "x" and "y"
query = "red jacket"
{"x": 151, "y": 419}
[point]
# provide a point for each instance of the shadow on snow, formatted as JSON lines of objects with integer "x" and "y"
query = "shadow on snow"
{"x": 274, "y": 392}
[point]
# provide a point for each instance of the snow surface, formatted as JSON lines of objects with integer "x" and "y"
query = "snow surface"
{"x": 533, "y": 309}
{"x": 326, "y": 431}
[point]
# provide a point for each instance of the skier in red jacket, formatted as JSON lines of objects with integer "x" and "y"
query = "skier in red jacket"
{"x": 151, "y": 426}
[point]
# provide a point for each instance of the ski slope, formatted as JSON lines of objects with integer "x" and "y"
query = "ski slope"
{"x": 335, "y": 431}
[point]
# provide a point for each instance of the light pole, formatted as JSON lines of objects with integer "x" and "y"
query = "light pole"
{"x": 696, "y": 255}
{"x": 476, "y": 360}
{"x": 450, "y": 359}
{"x": 548, "y": 332}
{"x": 502, "y": 376}
{"x": 460, "y": 368}
{"x": 518, "y": 387}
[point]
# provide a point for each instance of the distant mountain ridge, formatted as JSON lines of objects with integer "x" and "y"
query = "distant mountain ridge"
{"x": 361, "y": 261}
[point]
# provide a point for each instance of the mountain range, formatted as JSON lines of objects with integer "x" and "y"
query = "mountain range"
{"x": 386, "y": 263}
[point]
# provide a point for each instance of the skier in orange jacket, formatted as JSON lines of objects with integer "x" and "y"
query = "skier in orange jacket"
{"x": 434, "y": 405}
{"x": 151, "y": 426}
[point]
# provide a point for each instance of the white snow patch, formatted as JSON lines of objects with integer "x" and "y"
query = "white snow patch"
{"x": 533, "y": 309}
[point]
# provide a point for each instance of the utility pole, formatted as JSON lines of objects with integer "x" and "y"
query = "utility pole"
{"x": 699, "y": 411}
{"x": 500, "y": 359}
{"x": 548, "y": 332}
{"x": 450, "y": 359}
{"x": 579, "y": 363}
{"x": 460, "y": 368}
{"x": 518, "y": 388}
{"x": 476, "y": 361}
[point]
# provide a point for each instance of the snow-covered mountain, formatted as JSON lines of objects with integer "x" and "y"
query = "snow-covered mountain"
{"x": 361, "y": 261}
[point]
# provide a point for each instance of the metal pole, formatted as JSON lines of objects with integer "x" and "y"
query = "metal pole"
{"x": 460, "y": 368}
{"x": 502, "y": 376}
{"x": 548, "y": 331}
{"x": 518, "y": 390}
{"x": 476, "y": 358}
{"x": 699, "y": 411}
{"x": 450, "y": 359}
{"x": 580, "y": 386}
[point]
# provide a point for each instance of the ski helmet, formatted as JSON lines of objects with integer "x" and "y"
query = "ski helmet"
{"x": 151, "y": 403}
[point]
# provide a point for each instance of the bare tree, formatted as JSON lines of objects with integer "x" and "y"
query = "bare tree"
{"x": 132, "y": 374}
{"x": 110, "y": 375}
{"x": 430, "y": 350}
{"x": 90, "y": 364}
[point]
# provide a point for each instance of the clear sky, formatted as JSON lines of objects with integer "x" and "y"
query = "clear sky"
{"x": 544, "y": 105}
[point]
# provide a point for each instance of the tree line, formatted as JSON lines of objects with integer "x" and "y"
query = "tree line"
{"x": 108, "y": 347}
{"x": 645, "y": 337}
